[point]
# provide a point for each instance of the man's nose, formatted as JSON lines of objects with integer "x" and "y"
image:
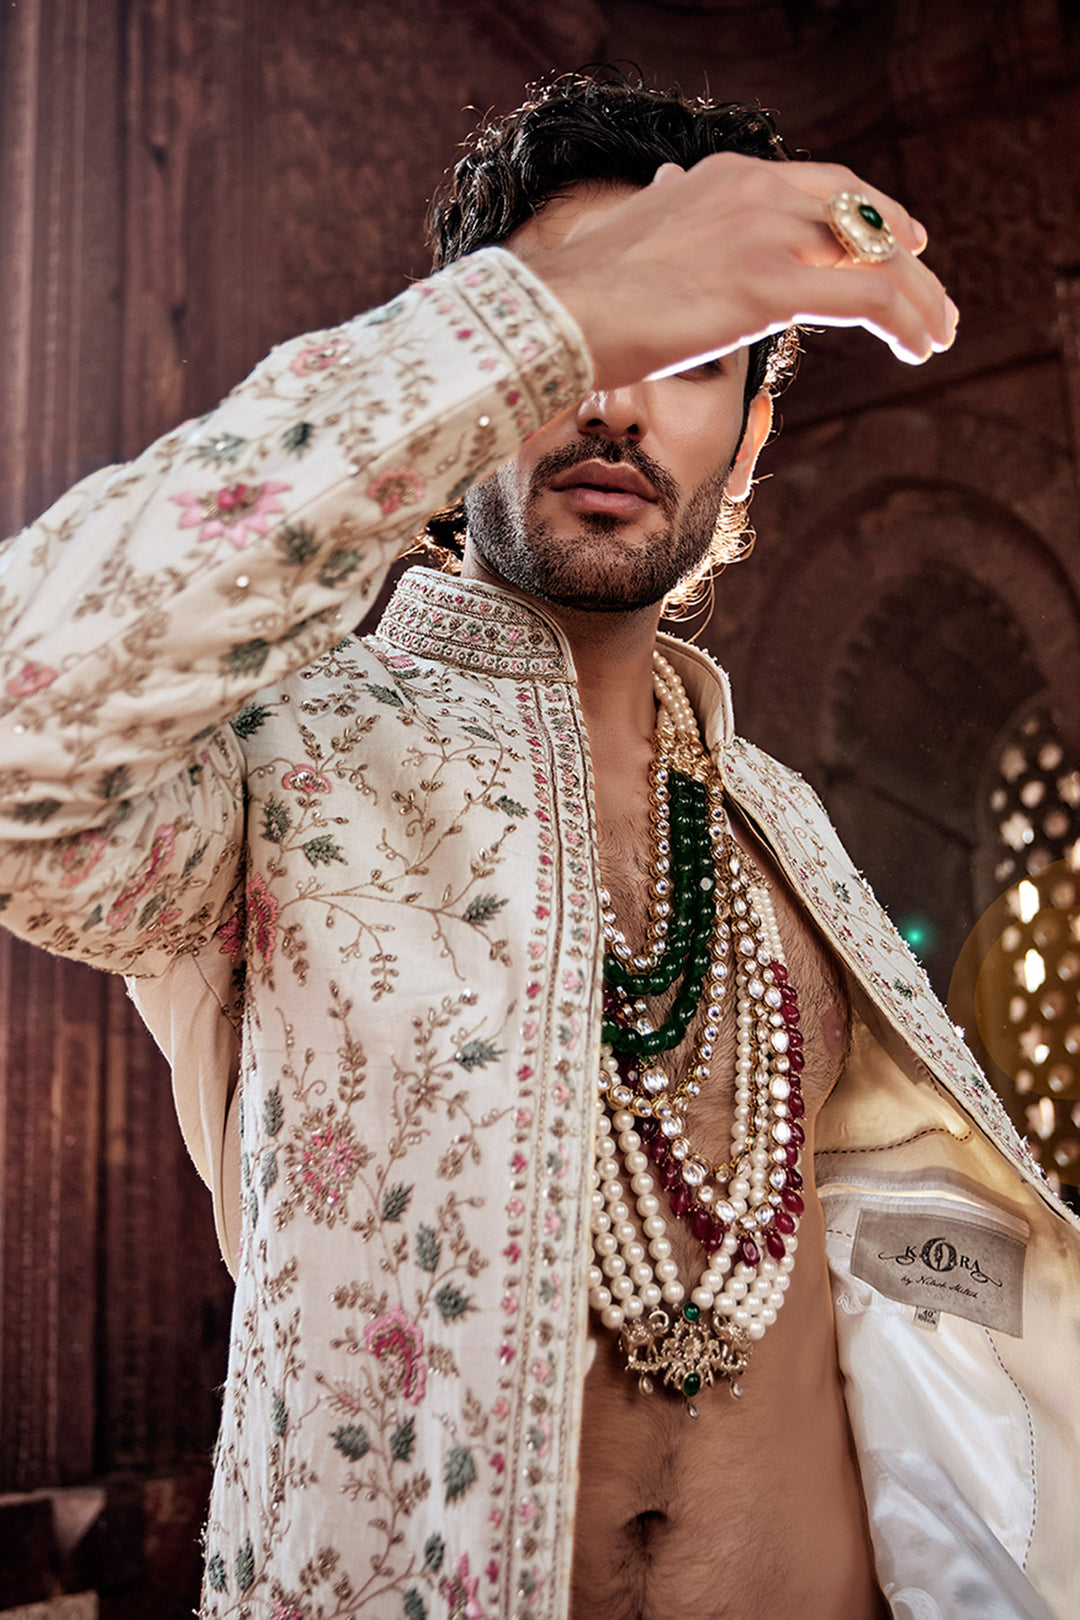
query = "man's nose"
{"x": 616, "y": 414}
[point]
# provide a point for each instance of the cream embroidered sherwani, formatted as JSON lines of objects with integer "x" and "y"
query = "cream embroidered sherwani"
{"x": 354, "y": 885}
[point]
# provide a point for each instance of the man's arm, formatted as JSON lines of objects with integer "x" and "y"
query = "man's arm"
{"x": 152, "y": 601}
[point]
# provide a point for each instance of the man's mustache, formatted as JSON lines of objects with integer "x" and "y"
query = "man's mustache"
{"x": 613, "y": 451}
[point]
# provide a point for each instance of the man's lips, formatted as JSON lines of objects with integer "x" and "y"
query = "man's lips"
{"x": 599, "y": 486}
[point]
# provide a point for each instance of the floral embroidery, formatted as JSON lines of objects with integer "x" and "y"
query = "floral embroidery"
{"x": 315, "y": 357}
{"x": 161, "y": 853}
{"x": 393, "y": 490}
{"x": 262, "y": 910}
{"x": 394, "y": 1338}
{"x": 31, "y": 678}
{"x": 80, "y": 857}
{"x": 302, "y": 780}
{"x": 460, "y": 1591}
{"x": 235, "y": 510}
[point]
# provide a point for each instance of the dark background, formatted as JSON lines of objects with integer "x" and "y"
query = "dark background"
{"x": 185, "y": 182}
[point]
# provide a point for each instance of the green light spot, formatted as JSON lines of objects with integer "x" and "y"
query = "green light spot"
{"x": 919, "y": 933}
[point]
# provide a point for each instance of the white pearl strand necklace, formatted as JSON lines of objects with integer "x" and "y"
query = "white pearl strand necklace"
{"x": 630, "y": 1284}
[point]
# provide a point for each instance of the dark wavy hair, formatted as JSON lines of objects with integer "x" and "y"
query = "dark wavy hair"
{"x": 603, "y": 126}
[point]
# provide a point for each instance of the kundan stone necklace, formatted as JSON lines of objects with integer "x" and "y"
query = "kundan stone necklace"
{"x": 711, "y": 934}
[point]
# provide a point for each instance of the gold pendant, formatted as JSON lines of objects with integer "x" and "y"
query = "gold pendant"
{"x": 685, "y": 1354}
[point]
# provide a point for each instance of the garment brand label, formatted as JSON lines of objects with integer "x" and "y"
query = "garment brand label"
{"x": 938, "y": 1263}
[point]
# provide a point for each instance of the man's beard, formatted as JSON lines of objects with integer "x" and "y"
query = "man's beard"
{"x": 595, "y": 572}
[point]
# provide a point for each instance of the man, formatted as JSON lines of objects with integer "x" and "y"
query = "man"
{"x": 357, "y": 887}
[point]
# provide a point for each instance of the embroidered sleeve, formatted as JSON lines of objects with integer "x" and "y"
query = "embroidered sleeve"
{"x": 152, "y": 602}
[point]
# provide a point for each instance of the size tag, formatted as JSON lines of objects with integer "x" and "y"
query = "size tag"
{"x": 938, "y": 1263}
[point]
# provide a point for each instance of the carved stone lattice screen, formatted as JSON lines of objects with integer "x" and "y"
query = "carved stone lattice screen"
{"x": 1027, "y": 992}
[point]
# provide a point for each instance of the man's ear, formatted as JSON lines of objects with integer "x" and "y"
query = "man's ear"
{"x": 758, "y": 427}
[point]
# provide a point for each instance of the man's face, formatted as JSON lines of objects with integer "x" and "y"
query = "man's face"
{"x": 610, "y": 506}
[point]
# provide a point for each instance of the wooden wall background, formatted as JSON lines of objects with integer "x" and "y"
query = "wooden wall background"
{"x": 185, "y": 182}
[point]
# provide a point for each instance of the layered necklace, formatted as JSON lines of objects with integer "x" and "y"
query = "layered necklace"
{"x": 711, "y": 936}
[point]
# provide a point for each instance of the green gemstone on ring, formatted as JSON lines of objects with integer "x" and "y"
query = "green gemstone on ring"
{"x": 693, "y": 1314}
{"x": 871, "y": 216}
{"x": 691, "y": 1385}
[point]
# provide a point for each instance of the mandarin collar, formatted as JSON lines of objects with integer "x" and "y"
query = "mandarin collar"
{"x": 487, "y": 629}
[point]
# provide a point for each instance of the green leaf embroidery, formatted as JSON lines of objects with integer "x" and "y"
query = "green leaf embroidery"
{"x": 245, "y": 1566}
{"x": 297, "y": 543}
{"x": 452, "y": 1303}
{"x": 434, "y": 1552}
{"x": 338, "y": 566}
{"x": 93, "y": 919}
{"x": 276, "y": 820}
{"x": 483, "y": 908}
{"x": 386, "y": 694}
{"x": 414, "y": 1605}
{"x": 322, "y": 850}
{"x": 273, "y": 1112}
{"x": 396, "y": 1202}
{"x": 193, "y": 860}
{"x": 479, "y": 731}
{"x": 215, "y": 1572}
{"x": 428, "y": 1248}
{"x": 475, "y": 1054}
{"x": 250, "y": 718}
{"x": 220, "y": 450}
{"x": 459, "y": 1473}
{"x": 115, "y": 783}
{"x": 269, "y": 1173}
{"x": 279, "y": 1413}
{"x": 352, "y": 1441}
{"x": 510, "y": 807}
{"x": 150, "y": 910}
{"x": 246, "y": 658}
{"x": 403, "y": 1440}
{"x": 37, "y": 810}
{"x": 298, "y": 438}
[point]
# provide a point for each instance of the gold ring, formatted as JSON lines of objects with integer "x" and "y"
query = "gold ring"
{"x": 859, "y": 228}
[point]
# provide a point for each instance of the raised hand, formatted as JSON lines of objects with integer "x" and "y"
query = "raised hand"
{"x": 705, "y": 260}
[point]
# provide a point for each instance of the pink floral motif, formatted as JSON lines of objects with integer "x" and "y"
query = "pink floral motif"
{"x": 161, "y": 853}
{"x": 320, "y": 356}
{"x": 330, "y": 1159}
{"x": 163, "y": 919}
{"x": 284, "y": 1611}
{"x": 391, "y": 491}
{"x": 262, "y": 910}
{"x": 303, "y": 780}
{"x": 392, "y": 1336}
{"x": 460, "y": 1591}
{"x": 80, "y": 857}
{"x": 234, "y": 510}
{"x": 231, "y": 935}
{"x": 30, "y": 679}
